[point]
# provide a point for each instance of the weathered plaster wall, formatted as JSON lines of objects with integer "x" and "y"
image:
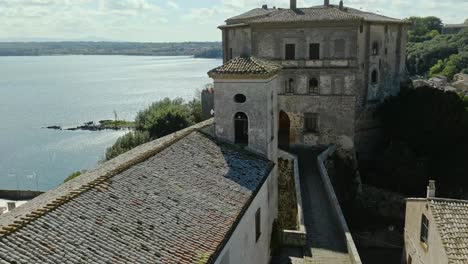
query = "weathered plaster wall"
{"x": 336, "y": 117}
{"x": 260, "y": 107}
{"x": 242, "y": 246}
{"x": 435, "y": 253}
{"x": 239, "y": 39}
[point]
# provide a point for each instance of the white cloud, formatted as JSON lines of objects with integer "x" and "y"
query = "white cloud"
{"x": 173, "y": 5}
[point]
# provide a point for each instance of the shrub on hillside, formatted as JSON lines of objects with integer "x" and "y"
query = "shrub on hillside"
{"x": 164, "y": 117}
{"x": 126, "y": 143}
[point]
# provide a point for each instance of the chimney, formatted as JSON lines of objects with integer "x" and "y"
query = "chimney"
{"x": 341, "y": 5}
{"x": 293, "y": 4}
{"x": 326, "y": 3}
{"x": 265, "y": 6}
{"x": 431, "y": 190}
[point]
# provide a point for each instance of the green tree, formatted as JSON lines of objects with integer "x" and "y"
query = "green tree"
{"x": 126, "y": 143}
{"x": 164, "y": 117}
{"x": 426, "y": 133}
{"x": 424, "y": 28}
{"x": 74, "y": 175}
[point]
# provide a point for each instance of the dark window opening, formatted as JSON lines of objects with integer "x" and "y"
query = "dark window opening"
{"x": 313, "y": 86}
{"x": 290, "y": 52}
{"x": 240, "y": 98}
{"x": 375, "y": 48}
{"x": 258, "y": 224}
{"x": 289, "y": 86}
{"x": 386, "y": 29}
{"x": 311, "y": 123}
{"x": 386, "y": 51}
{"x": 374, "y": 77}
{"x": 230, "y": 54}
{"x": 424, "y": 229}
{"x": 361, "y": 28}
{"x": 241, "y": 126}
{"x": 314, "y": 51}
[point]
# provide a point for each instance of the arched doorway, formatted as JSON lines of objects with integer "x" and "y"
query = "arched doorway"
{"x": 284, "y": 130}
{"x": 241, "y": 128}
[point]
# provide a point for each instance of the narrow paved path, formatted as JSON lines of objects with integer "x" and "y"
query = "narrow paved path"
{"x": 324, "y": 238}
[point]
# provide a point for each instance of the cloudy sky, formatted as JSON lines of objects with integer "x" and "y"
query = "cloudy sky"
{"x": 170, "y": 20}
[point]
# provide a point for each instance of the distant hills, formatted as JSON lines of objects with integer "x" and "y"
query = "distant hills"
{"x": 197, "y": 49}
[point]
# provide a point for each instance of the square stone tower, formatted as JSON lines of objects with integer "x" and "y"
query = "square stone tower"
{"x": 245, "y": 102}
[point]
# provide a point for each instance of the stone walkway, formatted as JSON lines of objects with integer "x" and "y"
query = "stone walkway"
{"x": 325, "y": 242}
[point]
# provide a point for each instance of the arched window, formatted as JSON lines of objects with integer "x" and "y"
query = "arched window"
{"x": 241, "y": 128}
{"x": 289, "y": 86}
{"x": 313, "y": 86}
{"x": 375, "y": 48}
{"x": 374, "y": 77}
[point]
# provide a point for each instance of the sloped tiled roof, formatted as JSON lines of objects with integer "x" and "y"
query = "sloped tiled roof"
{"x": 246, "y": 66}
{"x": 311, "y": 14}
{"x": 177, "y": 206}
{"x": 451, "y": 217}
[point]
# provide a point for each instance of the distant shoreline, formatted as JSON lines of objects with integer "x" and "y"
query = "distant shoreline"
{"x": 212, "y": 50}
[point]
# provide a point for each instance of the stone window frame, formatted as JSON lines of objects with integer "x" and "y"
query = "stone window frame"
{"x": 319, "y": 51}
{"x": 375, "y": 48}
{"x": 290, "y": 85}
{"x": 286, "y": 51}
{"x": 311, "y": 122}
{"x": 374, "y": 77}
{"x": 314, "y": 90}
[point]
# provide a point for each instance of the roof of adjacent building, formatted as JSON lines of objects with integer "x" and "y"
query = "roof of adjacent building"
{"x": 246, "y": 67}
{"x": 311, "y": 14}
{"x": 451, "y": 217}
{"x": 178, "y": 205}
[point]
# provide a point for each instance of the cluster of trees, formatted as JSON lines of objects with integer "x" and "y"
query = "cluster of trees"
{"x": 426, "y": 137}
{"x": 158, "y": 120}
{"x": 424, "y": 28}
{"x": 429, "y": 53}
{"x": 198, "y": 49}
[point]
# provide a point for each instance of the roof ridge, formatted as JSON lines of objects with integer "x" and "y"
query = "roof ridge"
{"x": 103, "y": 174}
{"x": 436, "y": 199}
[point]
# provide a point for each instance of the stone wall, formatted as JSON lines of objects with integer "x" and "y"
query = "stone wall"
{"x": 207, "y": 101}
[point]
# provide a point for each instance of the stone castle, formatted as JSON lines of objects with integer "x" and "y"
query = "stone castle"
{"x": 332, "y": 66}
{"x": 209, "y": 193}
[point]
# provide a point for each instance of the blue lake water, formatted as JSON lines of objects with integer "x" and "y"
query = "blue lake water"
{"x": 69, "y": 90}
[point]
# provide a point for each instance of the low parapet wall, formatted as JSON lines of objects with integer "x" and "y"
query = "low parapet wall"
{"x": 295, "y": 237}
{"x": 352, "y": 249}
{"x": 18, "y": 195}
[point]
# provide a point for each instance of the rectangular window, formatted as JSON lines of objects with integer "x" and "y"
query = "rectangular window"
{"x": 290, "y": 50}
{"x": 311, "y": 123}
{"x": 230, "y": 54}
{"x": 339, "y": 48}
{"x": 314, "y": 51}
{"x": 258, "y": 226}
{"x": 424, "y": 229}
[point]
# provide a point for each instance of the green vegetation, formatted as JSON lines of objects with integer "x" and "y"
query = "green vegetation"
{"x": 424, "y": 28}
{"x": 74, "y": 175}
{"x": 426, "y": 132}
{"x": 129, "y": 141}
{"x": 198, "y": 49}
{"x": 287, "y": 212}
{"x": 116, "y": 124}
{"x": 443, "y": 54}
{"x": 158, "y": 120}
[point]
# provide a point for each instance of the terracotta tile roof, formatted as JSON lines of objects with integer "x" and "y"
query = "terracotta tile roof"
{"x": 311, "y": 14}
{"x": 178, "y": 206}
{"x": 250, "y": 66}
{"x": 451, "y": 217}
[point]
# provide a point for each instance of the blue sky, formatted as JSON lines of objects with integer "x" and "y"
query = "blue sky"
{"x": 171, "y": 20}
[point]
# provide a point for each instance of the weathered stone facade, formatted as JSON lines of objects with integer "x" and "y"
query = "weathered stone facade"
{"x": 341, "y": 63}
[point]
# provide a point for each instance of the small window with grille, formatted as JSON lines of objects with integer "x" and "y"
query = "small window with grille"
{"x": 311, "y": 122}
